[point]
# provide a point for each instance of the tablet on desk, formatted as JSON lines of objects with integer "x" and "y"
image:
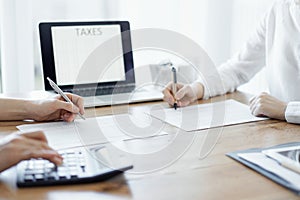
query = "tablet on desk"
{"x": 288, "y": 157}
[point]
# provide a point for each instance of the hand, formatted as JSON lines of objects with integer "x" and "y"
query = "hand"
{"x": 186, "y": 94}
{"x": 17, "y": 147}
{"x": 57, "y": 108}
{"x": 264, "y": 105}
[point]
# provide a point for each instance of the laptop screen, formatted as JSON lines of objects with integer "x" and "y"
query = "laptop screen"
{"x": 68, "y": 46}
{"x": 72, "y": 45}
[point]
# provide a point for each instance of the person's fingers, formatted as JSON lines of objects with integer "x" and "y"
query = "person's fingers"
{"x": 168, "y": 96}
{"x": 26, "y": 142}
{"x": 36, "y": 145}
{"x": 78, "y": 101}
{"x": 263, "y": 95}
{"x": 61, "y": 105}
{"x": 252, "y": 104}
{"x": 258, "y": 101}
{"x": 168, "y": 93}
{"x": 179, "y": 86}
{"x": 24, "y": 148}
{"x": 68, "y": 117}
{"x": 169, "y": 86}
{"x": 37, "y": 135}
{"x": 253, "y": 110}
{"x": 182, "y": 93}
{"x": 257, "y": 110}
{"x": 253, "y": 99}
{"x": 255, "y": 102}
{"x": 50, "y": 155}
{"x": 184, "y": 103}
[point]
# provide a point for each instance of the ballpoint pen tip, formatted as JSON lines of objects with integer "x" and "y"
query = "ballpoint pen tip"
{"x": 175, "y": 106}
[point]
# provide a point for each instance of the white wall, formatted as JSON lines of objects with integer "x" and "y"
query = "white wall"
{"x": 219, "y": 26}
{"x": 16, "y": 46}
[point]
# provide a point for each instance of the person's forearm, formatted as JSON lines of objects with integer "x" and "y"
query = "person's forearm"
{"x": 14, "y": 109}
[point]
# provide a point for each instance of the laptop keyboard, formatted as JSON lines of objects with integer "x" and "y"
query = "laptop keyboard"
{"x": 39, "y": 172}
{"x": 101, "y": 91}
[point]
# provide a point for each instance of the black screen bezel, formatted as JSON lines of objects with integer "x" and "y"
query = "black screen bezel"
{"x": 48, "y": 63}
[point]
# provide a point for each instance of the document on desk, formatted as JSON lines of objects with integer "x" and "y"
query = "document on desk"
{"x": 206, "y": 116}
{"x": 91, "y": 131}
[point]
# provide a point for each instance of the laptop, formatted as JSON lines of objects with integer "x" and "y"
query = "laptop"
{"x": 94, "y": 60}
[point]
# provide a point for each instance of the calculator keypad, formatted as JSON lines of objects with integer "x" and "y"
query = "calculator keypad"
{"x": 41, "y": 170}
{"x": 79, "y": 166}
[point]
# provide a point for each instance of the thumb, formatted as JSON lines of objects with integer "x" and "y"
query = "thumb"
{"x": 67, "y": 106}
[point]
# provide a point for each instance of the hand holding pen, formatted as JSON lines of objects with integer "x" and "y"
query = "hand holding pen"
{"x": 182, "y": 95}
{"x": 63, "y": 95}
{"x": 174, "y": 86}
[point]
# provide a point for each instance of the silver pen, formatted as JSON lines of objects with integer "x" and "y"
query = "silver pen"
{"x": 174, "y": 87}
{"x": 59, "y": 91}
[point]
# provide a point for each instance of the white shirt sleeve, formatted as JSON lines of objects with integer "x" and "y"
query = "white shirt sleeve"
{"x": 241, "y": 68}
{"x": 292, "y": 112}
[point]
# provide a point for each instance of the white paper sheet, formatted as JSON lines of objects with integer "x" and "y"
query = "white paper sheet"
{"x": 205, "y": 116}
{"x": 272, "y": 166}
{"x": 95, "y": 130}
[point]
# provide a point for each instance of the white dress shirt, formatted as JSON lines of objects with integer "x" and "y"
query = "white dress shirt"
{"x": 276, "y": 46}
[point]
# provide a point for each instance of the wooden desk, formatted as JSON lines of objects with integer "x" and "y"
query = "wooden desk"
{"x": 188, "y": 177}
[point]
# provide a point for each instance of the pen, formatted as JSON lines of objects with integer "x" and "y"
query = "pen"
{"x": 174, "y": 78}
{"x": 59, "y": 91}
{"x": 292, "y": 166}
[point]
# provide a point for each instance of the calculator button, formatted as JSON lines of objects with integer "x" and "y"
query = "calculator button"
{"x": 49, "y": 170}
{"x": 52, "y": 175}
{"x": 62, "y": 177}
{"x": 62, "y": 169}
{"x": 73, "y": 176}
{"x": 62, "y": 174}
{"x": 72, "y": 164}
{"x": 39, "y": 171}
{"x": 73, "y": 173}
{"x": 51, "y": 178}
{"x": 39, "y": 176}
{"x": 50, "y": 165}
{"x": 28, "y": 178}
{"x": 29, "y": 172}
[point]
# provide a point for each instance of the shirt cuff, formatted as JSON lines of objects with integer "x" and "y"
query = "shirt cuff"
{"x": 292, "y": 112}
{"x": 205, "y": 88}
